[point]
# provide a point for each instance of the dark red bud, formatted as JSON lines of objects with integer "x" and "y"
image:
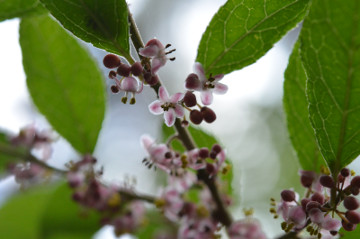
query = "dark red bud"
{"x": 136, "y": 69}
{"x": 355, "y": 181}
{"x": 327, "y": 181}
{"x": 348, "y": 226}
{"x": 115, "y": 89}
{"x": 124, "y": 70}
{"x": 216, "y": 148}
{"x": 353, "y": 217}
{"x": 304, "y": 202}
{"x": 112, "y": 74}
{"x": 354, "y": 190}
{"x": 196, "y": 116}
{"x": 208, "y": 114}
{"x": 210, "y": 168}
{"x": 351, "y": 203}
{"x": 311, "y": 205}
{"x": 168, "y": 155}
{"x": 345, "y": 172}
{"x": 151, "y": 79}
{"x": 192, "y": 82}
{"x": 288, "y": 195}
{"x": 318, "y": 197}
{"x": 204, "y": 153}
{"x": 190, "y": 99}
{"x": 307, "y": 178}
{"x": 111, "y": 61}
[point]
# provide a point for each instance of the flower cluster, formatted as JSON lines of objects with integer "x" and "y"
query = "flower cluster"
{"x": 125, "y": 215}
{"x": 29, "y": 173}
{"x": 124, "y": 77}
{"x": 172, "y": 107}
{"x": 316, "y": 211}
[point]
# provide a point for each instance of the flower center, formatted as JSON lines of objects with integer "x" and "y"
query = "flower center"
{"x": 166, "y": 106}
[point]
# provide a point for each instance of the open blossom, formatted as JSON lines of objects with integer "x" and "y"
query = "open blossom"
{"x": 155, "y": 50}
{"x": 207, "y": 86}
{"x": 160, "y": 155}
{"x": 169, "y": 106}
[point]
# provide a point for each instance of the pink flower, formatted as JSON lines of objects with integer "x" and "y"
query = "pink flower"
{"x": 154, "y": 49}
{"x": 248, "y": 228}
{"x": 207, "y": 86}
{"x": 168, "y": 105}
{"x": 323, "y": 221}
{"x": 161, "y": 155}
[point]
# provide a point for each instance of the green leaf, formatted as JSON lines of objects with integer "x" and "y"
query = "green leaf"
{"x": 102, "y": 23}
{"x": 63, "y": 80}
{"x": 244, "y": 30}
{"x": 350, "y": 235}
{"x": 62, "y": 218}
{"x": 21, "y": 215}
{"x": 330, "y": 51}
{"x": 202, "y": 139}
{"x": 19, "y": 8}
{"x": 155, "y": 223}
{"x": 297, "y": 115}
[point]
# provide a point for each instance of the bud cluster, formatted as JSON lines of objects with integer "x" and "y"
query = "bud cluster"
{"x": 323, "y": 199}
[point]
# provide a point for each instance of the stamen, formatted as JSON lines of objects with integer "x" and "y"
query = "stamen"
{"x": 172, "y": 59}
{"x": 167, "y": 46}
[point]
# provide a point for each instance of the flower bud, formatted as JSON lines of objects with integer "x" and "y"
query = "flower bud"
{"x": 318, "y": 197}
{"x": 345, "y": 172}
{"x": 288, "y": 195}
{"x": 354, "y": 190}
{"x": 112, "y": 74}
{"x": 327, "y": 181}
{"x": 124, "y": 70}
{"x": 196, "y": 116}
{"x": 115, "y": 89}
{"x": 136, "y": 69}
{"x": 311, "y": 205}
{"x": 190, "y": 99}
{"x": 307, "y": 178}
{"x": 355, "y": 181}
{"x": 304, "y": 202}
{"x": 216, "y": 148}
{"x": 353, "y": 217}
{"x": 351, "y": 203}
{"x": 204, "y": 153}
{"x": 348, "y": 226}
{"x": 111, "y": 61}
{"x": 192, "y": 82}
{"x": 208, "y": 114}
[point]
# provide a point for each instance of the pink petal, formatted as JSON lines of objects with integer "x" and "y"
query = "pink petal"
{"x": 154, "y": 42}
{"x": 163, "y": 94}
{"x": 146, "y": 141}
{"x": 316, "y": 216}
{"x": 149, "y": 51}
{"x": 199, "y": 70}
{"x": 169, "y": 117}
{"x": 157, "y": 62}
{"x": 129, "y": 84}
{"x": 157, "y": 152}
{"x": 331, "y": 224}
{"x": 220, "y": 89}
{"x": 179, "y": 111}
{"x": 176, "y": 98}
{"x": 155, "y": 107}
{"x": 206, "y": 97}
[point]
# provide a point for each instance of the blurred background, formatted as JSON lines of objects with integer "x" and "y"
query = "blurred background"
{"x": 250, "y": 120}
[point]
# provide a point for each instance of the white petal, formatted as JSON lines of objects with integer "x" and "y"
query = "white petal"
{"x": 146, "y": 141}
{"x": 179, "y": 111}
{"x": 155, "y": 107}
{"x": 169, "y": 117}
{"x": 176, "y": 97}
{"x": 157, "y": 62}
{"x": 199, "y": 70}
{"x": 206, "y": 97}
{"x": 163, "y": 94}
{"x": 220, "y": 89}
